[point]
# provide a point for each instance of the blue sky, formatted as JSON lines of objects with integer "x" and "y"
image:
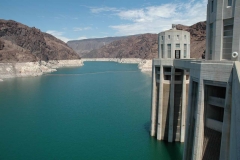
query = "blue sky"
{"x": 81, "y": 19}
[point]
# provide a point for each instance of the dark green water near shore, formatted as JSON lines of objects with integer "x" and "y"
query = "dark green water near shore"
{"x": 100, "y": 111}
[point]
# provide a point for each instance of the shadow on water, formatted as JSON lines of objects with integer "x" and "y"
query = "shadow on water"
{"x": 174, "y": 149}
{"x": 147, "y": 126}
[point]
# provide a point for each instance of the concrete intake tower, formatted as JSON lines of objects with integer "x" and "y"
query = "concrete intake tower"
{"x": 197, "y": 101}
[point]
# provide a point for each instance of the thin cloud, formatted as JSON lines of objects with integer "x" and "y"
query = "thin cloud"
{"x": 103, "y": 9}
{"x": 60, "y": 35}
{"x": 154, "y": 19}
{"x": 77, "y": 29}
{"x": 81, "y": 38}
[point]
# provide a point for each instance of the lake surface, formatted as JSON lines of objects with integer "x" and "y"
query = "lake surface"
{"x": 100, "y": 111}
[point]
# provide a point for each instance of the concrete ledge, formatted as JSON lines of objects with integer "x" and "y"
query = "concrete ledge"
{"x": 213, "y": 124}
{"x": 169, "y": 82}
{"x": 220, "y": 102}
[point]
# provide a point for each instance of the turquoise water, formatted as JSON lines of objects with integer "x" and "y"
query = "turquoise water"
{"x": 100, "y": 111}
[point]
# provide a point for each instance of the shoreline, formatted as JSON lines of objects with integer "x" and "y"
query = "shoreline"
{"x": 145, "y": 65}
{"x": 33, "y": 69}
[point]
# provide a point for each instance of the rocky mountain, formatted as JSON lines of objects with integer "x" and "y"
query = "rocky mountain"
{"x": 20, "y": 43}
{"x": 146, "y": 45}
{"x": 198, "y": 38}
{"x": 143, "y": 46}
{"x": 84, "y": 46}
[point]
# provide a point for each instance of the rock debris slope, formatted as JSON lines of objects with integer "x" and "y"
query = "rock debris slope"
{"x": 20, "y": 43}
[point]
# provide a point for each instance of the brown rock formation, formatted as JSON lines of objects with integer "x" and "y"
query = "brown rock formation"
{"x": 143, "y": 46}
{"x": 1, "y": 45}
{"x": 198, "y": 38}
{"x": 146, "y": 45}
{"x": 14, "y": 53}
{"x": 23, "y": 44}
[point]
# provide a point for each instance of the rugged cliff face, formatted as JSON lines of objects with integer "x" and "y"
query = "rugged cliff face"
{"x": 20, "y": 43}
{"x": 146, "y": 46}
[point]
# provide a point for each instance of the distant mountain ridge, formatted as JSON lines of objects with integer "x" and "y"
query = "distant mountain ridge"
{"x": 84, "y": 46}
{"x": 145, "y": 46}
{"x": 20, "y": 43}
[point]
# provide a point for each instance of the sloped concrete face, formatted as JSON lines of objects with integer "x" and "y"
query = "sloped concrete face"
{"x": 191, "y": 120}
{"x": 235, "y": 114}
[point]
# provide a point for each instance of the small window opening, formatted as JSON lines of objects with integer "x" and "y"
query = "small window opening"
{"x": 162, "y": 50}
{"x": 169, "y": 50}
{"x": 229, "y": 2}
{"x": 212, "y": 5}
{"x": 185, "y": 51}
{"x": 178, "y": 77}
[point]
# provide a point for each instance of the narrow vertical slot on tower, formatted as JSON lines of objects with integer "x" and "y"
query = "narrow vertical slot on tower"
{"x": 192, "y": 119}
{"x": 166, "y": 102}
{"x": 177, "y": 105}
{"x": 227, "y": 39}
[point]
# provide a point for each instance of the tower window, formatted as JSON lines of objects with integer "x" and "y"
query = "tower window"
{"x": 162, "y": 37}
{"x": 169, "y": 50}
{"x": 185, "y": 37}
{"x": 185, "y": 50}
{"x": 177, "y": 37}
{"x": 162, "y": 50}
{"x": 211, "y": 40}
{"x": 229, "y": 2}
{"x": 212, "y": 6}
{"x": 169, "y": 36}
{"x": 227, "y": 38}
